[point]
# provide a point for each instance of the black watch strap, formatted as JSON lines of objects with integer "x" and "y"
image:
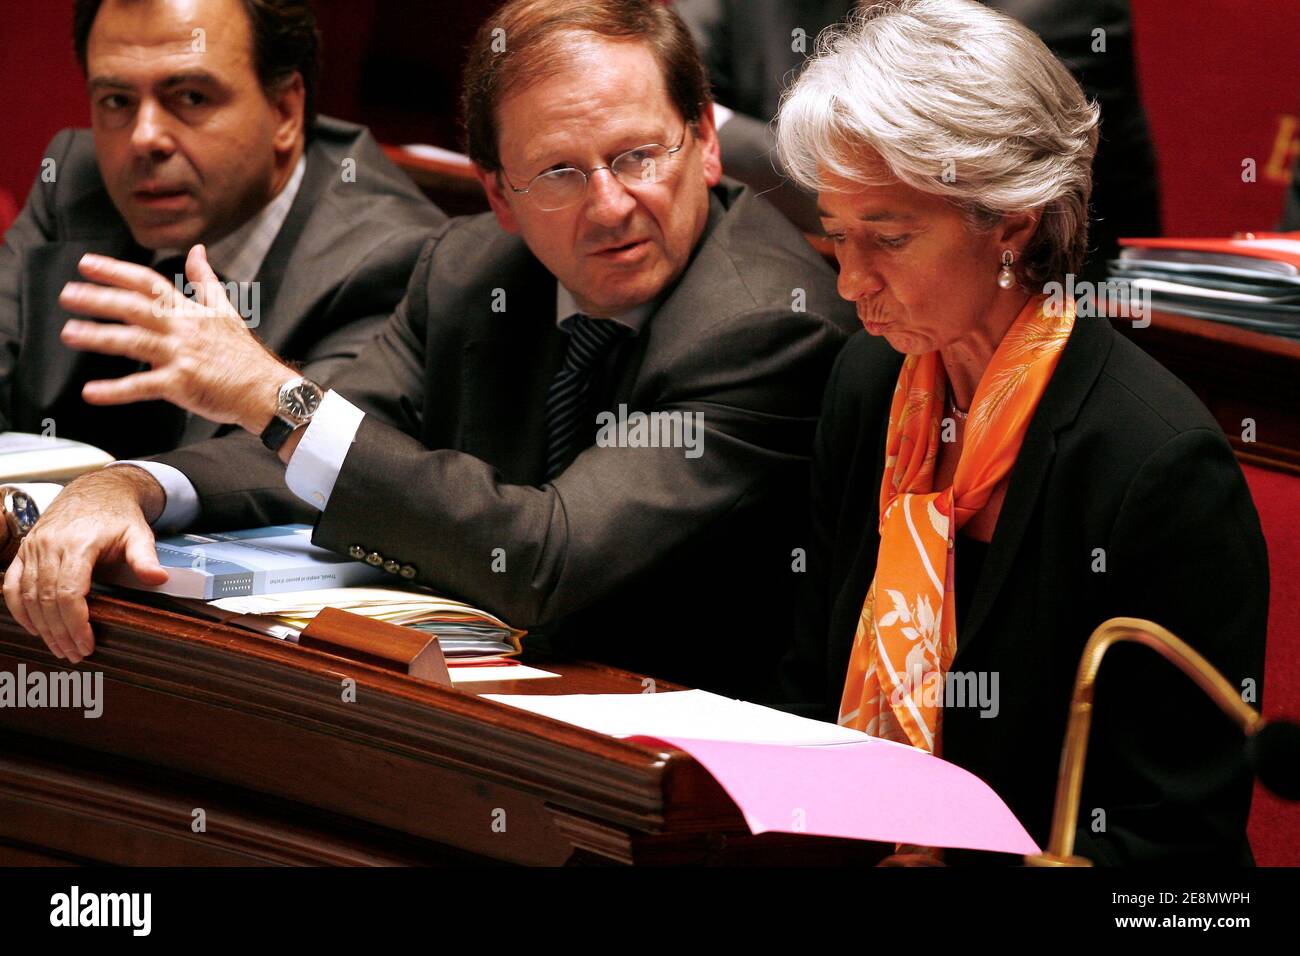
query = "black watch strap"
{"x": 277, "y": 433}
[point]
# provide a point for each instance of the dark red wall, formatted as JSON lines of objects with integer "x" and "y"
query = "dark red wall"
{"x": 1221, "y": 83}
{"x": 1221, "y": 80}
{"x": 40, "y": 87}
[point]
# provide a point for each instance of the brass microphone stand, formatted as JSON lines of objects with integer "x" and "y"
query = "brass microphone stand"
{"x": 1060, "y": 847}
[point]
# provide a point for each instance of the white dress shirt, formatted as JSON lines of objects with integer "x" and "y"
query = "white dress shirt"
{"x": 239, "y": 256}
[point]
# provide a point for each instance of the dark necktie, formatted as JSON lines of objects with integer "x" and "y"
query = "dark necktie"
{"x": 173, "y": 269}
{"x": 566, "y": 402}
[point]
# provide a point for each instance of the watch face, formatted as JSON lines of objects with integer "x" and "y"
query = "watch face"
{"x": 301, "y": 401}
{"x": 24, "y": 509}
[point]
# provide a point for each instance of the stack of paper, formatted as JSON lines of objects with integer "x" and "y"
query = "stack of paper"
{"x": 790, "y": 774}
{"x": 1249, "y": 282}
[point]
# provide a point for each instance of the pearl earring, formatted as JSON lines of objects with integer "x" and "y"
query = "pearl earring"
{"x": 1006, "y": 278}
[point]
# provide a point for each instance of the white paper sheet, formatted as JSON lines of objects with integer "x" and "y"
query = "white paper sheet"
{"x": 486, "y": 672}
{"x": 687, "y": 713}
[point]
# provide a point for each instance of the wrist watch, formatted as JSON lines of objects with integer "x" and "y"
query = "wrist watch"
{"x": 19, "y": 514}
{"x": 297, "y": 403}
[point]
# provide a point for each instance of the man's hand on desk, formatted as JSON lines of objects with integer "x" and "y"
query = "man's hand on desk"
{"x": 101, "y": 517}
{"x": 204, "y": 357}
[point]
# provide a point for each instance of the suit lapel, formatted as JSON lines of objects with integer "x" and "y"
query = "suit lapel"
{"x": 270, "y": 276}
{"x": 1027, "y": 477}
{"x": 1084, "y": 355}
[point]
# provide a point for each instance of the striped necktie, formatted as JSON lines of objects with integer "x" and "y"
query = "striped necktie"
{"x": 566, "y": 402}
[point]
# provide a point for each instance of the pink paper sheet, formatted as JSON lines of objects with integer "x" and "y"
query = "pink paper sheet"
{"x": 873, "y": 790}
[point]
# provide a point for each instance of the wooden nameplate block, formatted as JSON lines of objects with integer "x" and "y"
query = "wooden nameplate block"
{"x": 394, "y": 648}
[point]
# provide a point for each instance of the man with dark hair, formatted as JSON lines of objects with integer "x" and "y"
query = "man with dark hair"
{"x": 202, "y": 131}
{"x": 592, "y": 413}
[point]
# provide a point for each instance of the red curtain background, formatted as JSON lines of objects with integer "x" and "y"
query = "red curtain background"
{"x": 1220, "y": 78}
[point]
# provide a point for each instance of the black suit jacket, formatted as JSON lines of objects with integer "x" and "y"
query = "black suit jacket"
{"x": 331, "y": 277}
{"x": 1120, "y": 457}
{"x": 679, "y": 568}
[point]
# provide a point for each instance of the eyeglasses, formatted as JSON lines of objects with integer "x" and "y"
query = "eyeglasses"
{"x": 561, "y": 188}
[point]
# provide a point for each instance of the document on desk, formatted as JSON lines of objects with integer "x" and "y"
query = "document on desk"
{"x": 466, "y": 633}
{"x": 27, "y": 457}
{"x": 480, "y": 673}
{"x": 790, "y": 774}
{"x": 686, "y": 713}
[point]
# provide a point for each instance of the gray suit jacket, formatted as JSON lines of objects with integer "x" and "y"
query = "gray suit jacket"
{"x": 680, "y": 567}
{"x": 333, "y": 274}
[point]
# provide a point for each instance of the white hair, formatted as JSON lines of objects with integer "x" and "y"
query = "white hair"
{"x": 958, "y": 101}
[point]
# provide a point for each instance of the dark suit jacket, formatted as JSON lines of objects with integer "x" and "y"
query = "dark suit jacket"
{"x": 1119, "y": 456}
{"x": 641, "y": 557}
{"x": 333, "y": 274}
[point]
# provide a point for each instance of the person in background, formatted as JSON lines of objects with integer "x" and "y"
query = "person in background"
{"x": 755, "y": 48}
{"x": 1029, "y": 474}
{"x": 592, "y": 414}
{"x": 203, "y": 130}
{"x": 1291, "y": 206}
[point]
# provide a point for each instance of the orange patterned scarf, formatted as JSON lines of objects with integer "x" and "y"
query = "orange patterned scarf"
{"x": 907, "y": 633}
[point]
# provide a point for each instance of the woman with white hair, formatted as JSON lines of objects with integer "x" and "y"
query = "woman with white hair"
{"x": 1030, "y": 473}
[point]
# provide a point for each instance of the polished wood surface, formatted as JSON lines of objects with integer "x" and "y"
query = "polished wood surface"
{"x": 1239, "y": 375}
{"x": 401, "y": 649}
{"x": 262, "y": 738}
{"x": 450, "y": 183}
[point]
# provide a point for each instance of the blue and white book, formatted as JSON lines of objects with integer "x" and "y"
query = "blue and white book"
{"x": 257, "y": 561}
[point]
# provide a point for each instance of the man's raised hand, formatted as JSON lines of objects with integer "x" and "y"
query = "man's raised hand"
{"x": 203, "y": 357}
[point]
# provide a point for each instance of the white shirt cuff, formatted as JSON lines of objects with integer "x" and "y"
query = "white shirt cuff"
{"x": 181, "y": 498}
{"x": 318, "y": 459}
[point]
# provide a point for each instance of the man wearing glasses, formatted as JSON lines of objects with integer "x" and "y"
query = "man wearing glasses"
{"x": 620, "y": 280}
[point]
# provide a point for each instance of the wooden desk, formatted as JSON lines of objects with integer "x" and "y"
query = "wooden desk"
{"x": 1238, "y": 374}
{"x": 254, "y": 732}
{"x": 450, "y": 183}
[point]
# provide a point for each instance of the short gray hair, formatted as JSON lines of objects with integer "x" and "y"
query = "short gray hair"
{"x": 959, "y": 101}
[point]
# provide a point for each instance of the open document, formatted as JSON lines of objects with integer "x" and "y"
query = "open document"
{"x": 790, "y": 774}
